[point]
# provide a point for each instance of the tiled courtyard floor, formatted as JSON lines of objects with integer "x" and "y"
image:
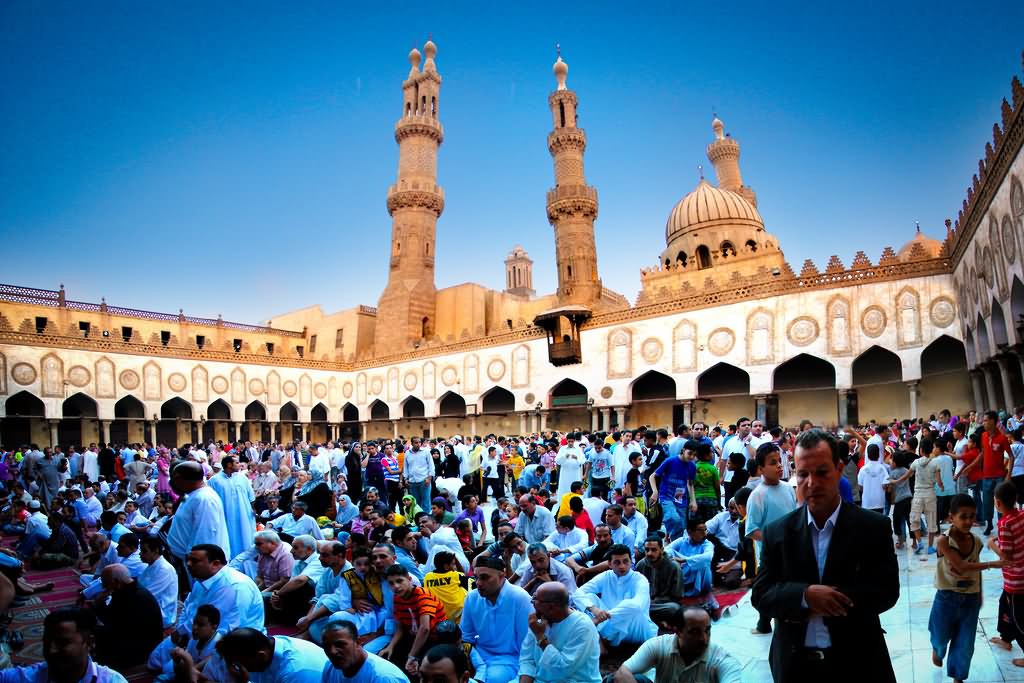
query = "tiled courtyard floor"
{"x": 906, "y": 626}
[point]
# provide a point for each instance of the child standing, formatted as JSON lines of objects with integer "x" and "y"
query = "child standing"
{"x": 706, "y": 487}
{"x": 448, "y": 585}
{"x": 1009, "y": 545}
{"x": 954, "y": 617}
{"x": 926, "y": 475}
{"x": 872, "y": 479}
{"x": 901, "y": 496}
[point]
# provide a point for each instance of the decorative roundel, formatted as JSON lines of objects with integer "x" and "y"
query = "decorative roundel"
{"x": 529, "y": 398}
{"x": 496, "y": 369}
{"x": 802, "y": 331}
{"x": 129, "y": 379}
{"x": 721, "y": 341}
{"x": 219, "y": 384}
{"x": 651, "y": 350}
{"x": 176, "y": 381}
{"x": 23, "y": 373}
{"x": 289, "y": 388}
{"x": 449, "y": 375}
{"x": 607, "y": 392}
{"x": 320, "y": 390}
{"x": 256, "y": 387}
{"x": 346, "y": 389}
{"x": 409, "y": 381}
{"x": 943, "y": 311}
{"x": 79, "y": 376}
{"x": 872, "y": 321}
{"x": 1009, "y": 240}
{"x": 376, "y": 386}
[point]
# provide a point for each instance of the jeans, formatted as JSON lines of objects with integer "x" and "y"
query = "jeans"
{"x": 988, "y": 497}
{"x": 674, "y": 519}
{"x": 420, "y": 490}
{"x": 901, "y": 518}
{"x": 954, "y": 623}
{"x": 974, "y": 488}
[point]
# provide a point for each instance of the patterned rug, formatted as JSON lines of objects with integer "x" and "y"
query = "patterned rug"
{"x": 28, "y": 617}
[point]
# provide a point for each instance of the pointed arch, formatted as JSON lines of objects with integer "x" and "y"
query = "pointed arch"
{"x": 79, "y": 405}
{"x": 24, "y": 404}
{"x": 289, "y": 412}
{"x": 255, "y": 411}
{"x": 176, "y": 408}
{"x": 379, "y": 410}
{"x": 877, "y": 366}
{"x": 218, "y": 410}
{"x": 130, "y": 407}
{"x": 1017, "y": 303}
{"x": 652, "y": 385}
{"x": 51, "y": 382}
{"x": 972, "y": 352}
{"x": 451, "y": 405}
{"x": 999, "y": 332}
{"x": 568, "y": 392}
{"x": 497, "y": 400}
{"x": 804, "y": 371}
{"x": 349, "y": 413}
{"x": 413, "y": 407}
{"x": 318, "y": 413}
{"x": 723, "y": 379}
{"x": 983, "y": 349}
{"x": 943, "y": 355}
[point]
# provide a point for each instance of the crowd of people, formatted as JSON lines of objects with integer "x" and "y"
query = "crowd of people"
{"x": 550, "y": 557}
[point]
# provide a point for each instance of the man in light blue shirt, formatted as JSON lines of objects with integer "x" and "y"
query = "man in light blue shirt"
{"x": 280, "y": 659}
{"x": 349, "y": 662}
{"x": 563, "y": 645}
{"x": 296, "y": 524}
{"x": 74, "y": 629}
{"x": 418, "y": 471}
{"x": 535, "y": 522}
{"x": 495, "y": 620}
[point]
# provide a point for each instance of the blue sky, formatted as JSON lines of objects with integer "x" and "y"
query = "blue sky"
{"x": 234, "y": 157}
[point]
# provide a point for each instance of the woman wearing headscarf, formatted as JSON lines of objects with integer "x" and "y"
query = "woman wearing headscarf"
{"x": 354, "y": 464}
{"x": 312, "y": 490}
{"x": 346, "y": 512}
{"x": 163, "y": 474}
{"x": 410, "y": 508}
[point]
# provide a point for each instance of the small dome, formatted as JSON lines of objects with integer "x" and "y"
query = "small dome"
{"x": 709, "y": 206}
{"x": 414, "y": 57}
{"x": 561, "y": 70}
{"x": 718, "y": 127}
{"x": 932, "y": 247}
{"x": 429, "y": 49}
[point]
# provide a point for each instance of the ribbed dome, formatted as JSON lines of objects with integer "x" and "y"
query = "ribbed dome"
{"x": 710, "y": 206}
{"x": 932, "y": 247}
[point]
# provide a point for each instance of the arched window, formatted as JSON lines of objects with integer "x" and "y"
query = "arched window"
{"x": 727, "y": 249}
{"x": 568, "y": 269}
{"x": 703, "y": 257}
{"x": 408, "y": 108}
{"x": 681, "y": 258}
{"x": 751, "y": 245}
{"x": 423, "y": 103}
{"x": 561, "y": 113}
{"x": 433, "y": 106}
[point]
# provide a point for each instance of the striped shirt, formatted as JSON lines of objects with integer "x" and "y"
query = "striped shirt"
{"x": 1011, "y": 543}
{"x": 408, "y": 609}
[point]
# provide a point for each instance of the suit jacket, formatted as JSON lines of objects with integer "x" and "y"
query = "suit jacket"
{"x": 861, "y": 563}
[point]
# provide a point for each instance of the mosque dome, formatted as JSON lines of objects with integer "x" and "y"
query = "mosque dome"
{"x": 932, "y": 247}
{"x": 711, "y": 207}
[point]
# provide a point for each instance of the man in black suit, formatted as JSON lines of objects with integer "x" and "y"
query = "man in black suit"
{"x": 828, "y": 569}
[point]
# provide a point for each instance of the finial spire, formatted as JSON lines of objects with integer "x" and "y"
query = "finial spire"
{"x": 700, "y": 171}
{"x": 561, "y": 69}
{"x": 917, "y": 224}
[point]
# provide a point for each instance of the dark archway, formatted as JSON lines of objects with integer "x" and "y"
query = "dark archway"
{"x": 16, "y": 426}
{"x": 176, "y": 409}
{"x": 498, "y": 400}
{"x": 1017, "y": 305}
{"x": 999, "y": 332}
{"x": 289, "y": 412}
{"x": 218, "y": 410}
{"x": 319, "y": 413}
{"x": 723, "y": 379}
{"x": 945, "y": 354}
{"x": 131, "y": 408}
{"x": 349, "y": 413}
{"x": 412, "y": 407}
{"x": 24, "y": 404}
{"x": 804, "y": 372}
{"x": 451, "y": 405}
{"x": 983, "y": 348}
{"x": 568, "y": 392}
{"x": 945, "y": 383}
{"x": 653, "y": 385}
{"x": 78, "y": 405}
{"x": 877, "y": 366}
{"x": 379, "y": 410}
{"x": 255, "y": 412}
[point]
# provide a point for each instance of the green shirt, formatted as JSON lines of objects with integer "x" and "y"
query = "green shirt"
{"x": 705, "y": 486}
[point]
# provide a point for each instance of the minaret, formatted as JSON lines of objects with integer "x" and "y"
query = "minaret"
{"x": 519, "y": 273}
{"x": 724, "y": 153}
{"x": 406, "y": 310}
{"x": 572, "y": 204}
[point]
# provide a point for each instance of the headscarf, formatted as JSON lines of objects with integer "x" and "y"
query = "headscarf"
{"x": 315, "y": 478}
{"x": 410, "y": 511}
{"x": 347, "y": 513}
{"x": 443, "y": 502}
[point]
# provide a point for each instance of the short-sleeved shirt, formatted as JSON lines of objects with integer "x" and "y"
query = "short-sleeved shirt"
{"x": 674, "y": 476}
{"x": 662, "y": 655}
{"x": 1011, "y": 543}
{"x": 996, "y": 449}
{"x": 601, "y": 464}
{"x": 409, "y": 609}
{"x": 705, "y": 484}
{"x": 926, "y": 473}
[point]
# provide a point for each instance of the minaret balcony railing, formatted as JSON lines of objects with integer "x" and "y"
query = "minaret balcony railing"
{"x": 562, "y": 192}
{"x": 419, "y": 124}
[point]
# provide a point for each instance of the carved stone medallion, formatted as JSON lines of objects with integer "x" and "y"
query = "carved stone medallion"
{"x": 496, "y": 369}
{"x": 219, "y": 384}
{"x": 607, "y": 392}
{"x": 256, "y": 387}
{"x": 79, "y": 376}
{"x": 942, "y": 311}
{"x": 376, "y": 386}
{"x": 409, "y": 381}
{"x": 23, "y": 373}
{"x": 346, "y": 389}
{"x": 176, "y": 381}
{"x": 651, "y": 350}
{"x": 802, "y": 331}
{"x": 289, "y": 388}
{"x": 449, "y": 375}
{"x": 529, "y": 398}
{"x": 129, "y": 379}
{"x": 872, "y": 321}
{"x": 721, "y": 341}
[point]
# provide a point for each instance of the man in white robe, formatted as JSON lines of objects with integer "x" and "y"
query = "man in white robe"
{"x": 618, "y": 600}
{"x": 159, "y": 578}
{"x": 562, "y": 645}
{"x": 327, "y": 597}
{"x": 200, "y": 517}
{"x": 237, "y": 496}
{"x": 566, "y": 539}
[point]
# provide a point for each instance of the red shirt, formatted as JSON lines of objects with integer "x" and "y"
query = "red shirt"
{"x": 969, "y": 456}
{"x": 584, "y": 522}
{"x": 1011, "y": 542}
{"x": 996, "y": 449}
{"x": 409, "y": 610}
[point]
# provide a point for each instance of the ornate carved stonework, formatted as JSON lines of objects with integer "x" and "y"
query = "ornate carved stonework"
{"x": 3, "y": 375}
{"x": 620, "y": 353}
{"x": 376, "y": 386}
{"x": 838, "y": 326}
{"x": 23, "y": 373}
{"x": 290, "y": 388}
{"x": 79, "y": 376}
{"x": 942, "y": 311}
{"x": 449, "y": 375}
{"x": 219, "y": 384}
{"x": 429, "y": 380}
{"x": 346, "y": 389}
{"x": 361, "y": 388}
{"x": 471, "y": 374}
{"x": 105, "y": 378}
{"x": 521, "y": 366}
{"x": 238, "y": 386}
{"x": 256, "y": 386}
{"x": 416, "y": 199}
{"x": 320, "y": 390}
{"x": 393, "y": 384}
{"x": 409, "y": 381}
{"x": 802, "y": 331}
{"x": 873, "y": 321}
{"x": 305, "y": 390}
{"x": 651, "y": 350}
{"x": 152, "y": 384}
{"x": 908, "y": 318}
{"x": 200, "y": 384}
{"x": 129, "y": 379}
{"x": 273, "y": 388}
{"x": 684, "y": 346}
{"x": 52, "y": 377}
{"x": 760, "y": 337}
{"x": 607, "y": 392}
{"x": 1009, "y": 240}
{"x": 529, "y": 398}
{"x": 495, "y": 369}
{"x": 176, "y": 382}
{"x": 721, "y": 341}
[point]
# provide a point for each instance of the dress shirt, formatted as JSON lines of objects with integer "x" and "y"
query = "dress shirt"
{"x": 298, "y": 527}
{"x": 537, "y": 528}
{"x": 310, "y": 567}
{"x": 817, "y": 632}
{"x": 373, "y": 670}
{"x": 161, "y": 580}
{"x": 572, "y": 656}
{"x": 275, "y": 566}
{"x": 556, "y": 570}
{"x": 725, "y": 529}
{"x": 295, "y": 661}
{"x": 638, "y": 525}
{"x": 662, "y": 655}
{"x": 418, "y": 466}
{"x": 234, "y": 594}
{"x": 40, "y": 673}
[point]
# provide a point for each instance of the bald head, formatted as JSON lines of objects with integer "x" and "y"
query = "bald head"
{"x": 527, "y": 502}
{"x": 114, "y": 576}
{"x": 553, "y": 591}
